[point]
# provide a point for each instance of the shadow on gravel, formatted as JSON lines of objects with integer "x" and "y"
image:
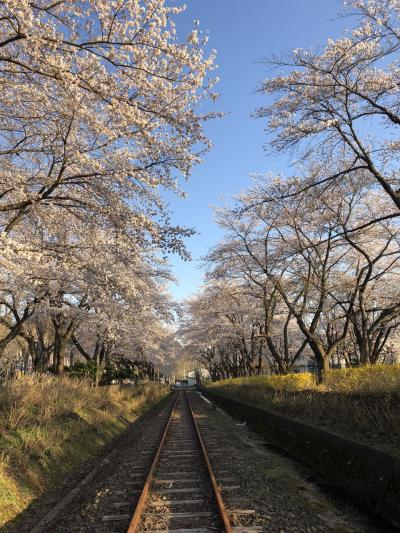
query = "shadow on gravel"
{"x": 337, "y": 496}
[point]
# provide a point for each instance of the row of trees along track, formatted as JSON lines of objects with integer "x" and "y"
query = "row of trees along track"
{"x": 309, "y": 264}
{"x": 99, "y": 113}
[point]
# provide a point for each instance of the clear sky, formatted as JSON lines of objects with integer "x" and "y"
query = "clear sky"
{"x": 242, "y": 32}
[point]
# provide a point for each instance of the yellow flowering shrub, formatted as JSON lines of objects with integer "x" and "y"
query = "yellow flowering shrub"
{"x": 371, "y": 379}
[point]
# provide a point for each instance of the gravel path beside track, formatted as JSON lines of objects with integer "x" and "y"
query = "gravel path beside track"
{"x": 282, "y": 492}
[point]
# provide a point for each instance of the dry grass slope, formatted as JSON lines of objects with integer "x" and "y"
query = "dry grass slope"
{"x": 49, "y": 426}
{"x": 360, "y": 403}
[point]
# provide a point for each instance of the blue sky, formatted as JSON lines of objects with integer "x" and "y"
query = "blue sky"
{"x": 242, "y": 32}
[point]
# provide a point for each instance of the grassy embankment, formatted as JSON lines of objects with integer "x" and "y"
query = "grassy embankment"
{"x": 359, "y": 403}
{"x": 49, "y": 427}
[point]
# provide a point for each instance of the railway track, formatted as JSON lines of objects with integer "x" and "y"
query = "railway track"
{"x": 181, "y": 493}
{"x": 158, "y": 480}
{"x": 171, "y": 480}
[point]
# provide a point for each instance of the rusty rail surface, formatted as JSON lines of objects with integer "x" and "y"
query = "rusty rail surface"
{"x": 217, "y": 493}
{"x": 143, "y": 497}
{"x": 133, "y": 527}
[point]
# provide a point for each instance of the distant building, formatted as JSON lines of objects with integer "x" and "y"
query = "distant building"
{"x": 199, "y": 375}
{"x": 182, "y": 383}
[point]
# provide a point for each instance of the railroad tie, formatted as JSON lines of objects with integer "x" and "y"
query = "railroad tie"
{"x": 115, "y": 517}
{"x": 192, "y": 514}
{"x": 178, "y": 502}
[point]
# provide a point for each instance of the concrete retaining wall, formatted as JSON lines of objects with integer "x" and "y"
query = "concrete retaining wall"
{"x": 368, "y": 475}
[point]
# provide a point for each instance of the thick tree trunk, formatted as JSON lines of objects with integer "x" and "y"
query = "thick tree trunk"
{"x": 259, "y": 364}
{"x": 364, "y": 349}
{"x": 11, "y": 335}
{"x": 59, "y": 353}
{"x": 321, "y": 360}
{"x": 322, "y": 368}
{"x": 63, "y": 331}
{"x": 97, "y": 368}
{"x": 60, "y": 348}
{"x": 276, "y": 355}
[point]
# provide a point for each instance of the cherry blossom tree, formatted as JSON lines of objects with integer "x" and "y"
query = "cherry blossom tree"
{"x": 341, "y": 104}
{"x": 99, "y": 105}
{"x": 222, "y": 327}
{"x": 100, "y": 112}
{"x": 320, "y": 286}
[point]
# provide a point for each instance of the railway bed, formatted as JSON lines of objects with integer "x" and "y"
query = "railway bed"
{"x": 182, "y": 492}
{"x": 160, "y": 479}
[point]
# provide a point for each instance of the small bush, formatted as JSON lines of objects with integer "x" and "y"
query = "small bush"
{"x": 373, "y": 379}
{"x": 290, "y": 382}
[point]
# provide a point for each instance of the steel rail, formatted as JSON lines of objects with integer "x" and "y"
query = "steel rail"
{"x": 217, "y": 493}
{"x": 143, "y": 497}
